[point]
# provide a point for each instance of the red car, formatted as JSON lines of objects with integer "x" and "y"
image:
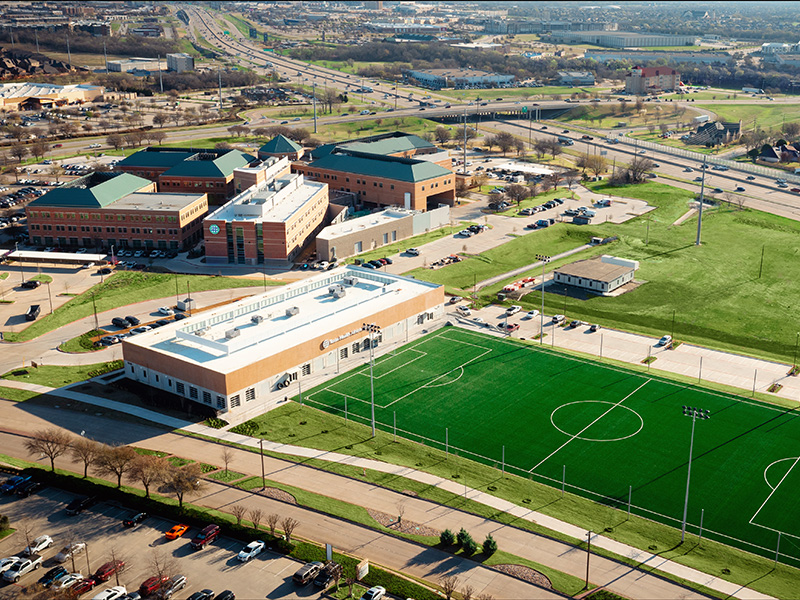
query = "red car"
{"x": 509, "y": 327}
{"x": 82, "y": 587}
{"x": 796, "y": 190}
{"x": 151, "y": 585}
{"x": 105, "y": 571}
{"x": 57, "y": 145}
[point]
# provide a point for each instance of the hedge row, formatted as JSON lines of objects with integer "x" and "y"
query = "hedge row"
{"x": 192, "y": 515}
{"x": 114, "y": 365}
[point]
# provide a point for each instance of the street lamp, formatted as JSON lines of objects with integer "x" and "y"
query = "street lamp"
{"x": 544, "y": 259}
{"x": 695, "y": 413}
{"x": 21, "y": 272}
{"x": 371, "y": 329}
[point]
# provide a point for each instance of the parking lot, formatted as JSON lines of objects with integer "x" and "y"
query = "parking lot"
{"x": 100, "y": 527}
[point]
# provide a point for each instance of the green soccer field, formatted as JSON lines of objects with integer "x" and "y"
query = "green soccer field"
{"x": 610, "y": 430}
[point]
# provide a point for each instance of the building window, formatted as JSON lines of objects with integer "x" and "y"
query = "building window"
{"x": 180, "y": 388}
{"x": 385, "y": 238}
{"x": 359, "y": 247}
{"x": 356, "y": 347}
{"x": 306, "y": 369}
{"x": 207, "y": 397}
{"x": 343, "y": 352}
{"x": 221, "y": 402}
{"x": 235, "y": 401}
{"x": 193, "y": 392}
{"x": 250, "y": 394}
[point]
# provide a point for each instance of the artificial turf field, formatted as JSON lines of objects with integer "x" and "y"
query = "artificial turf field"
{"x": 611, "y": 428}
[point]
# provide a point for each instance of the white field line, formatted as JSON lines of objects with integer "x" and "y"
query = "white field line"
{"x": 763, "y": 504}
{"x": 539, "y": 464}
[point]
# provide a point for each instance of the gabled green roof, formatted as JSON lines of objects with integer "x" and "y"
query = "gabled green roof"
{"x": 398, "y": 169}
{"x": 392, "y": 145}
{"x": 161, "y": 158}
{"x": 99, "y": 195}
{"x": 280, "y": 145}
{"x": 199, "y": 166}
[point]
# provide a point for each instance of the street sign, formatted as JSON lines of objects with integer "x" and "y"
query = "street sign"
{"x": 524, "y": 109}
{"x": 362, "y": 570}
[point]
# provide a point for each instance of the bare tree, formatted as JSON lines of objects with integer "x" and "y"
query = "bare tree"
{"x": 272, "y": 522}
{"x": 256, "y": 514}
{"x": 596, "y": 164}
{"x": 19, "y": 151}
{"x": 39, "y": 148}
{"x": 115, "y": 556}
{"x": 505, "y": 141}
{"x": 442, "y": 134}
{"x": 85, "y": 450}
{"x": 288, "y": 525}
{"x": 517, "y": 192}
{"x": 158, "y": 136}
{"x": 162, "y": 564}
{"x": 485, "y": 597}
{"x": 148, "y": 469}
{"x": 401, "y": 511}
{"x": 116, "y": 461}
{"x": 449, "y": 585}
{"x": 238, "y": 511}
{"x": 182, "y": 480}
{"x": 467, "y": 592}
{"x": 51, "y": 443}
{"x": 115, "y": 140}
{"x": 227, "y": 457}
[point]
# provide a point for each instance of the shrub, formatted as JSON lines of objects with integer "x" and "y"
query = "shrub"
{"x": 114, "y": 365}
{"x": 215, "y": 423}
{"x": 5, "y": 522}
{"x": 463, "y": 537}
{"x": 447, "y": 538}
{"x": 246, "y": 428}
{"x": 489, "y": 545}
{"x": 469, "y": 546}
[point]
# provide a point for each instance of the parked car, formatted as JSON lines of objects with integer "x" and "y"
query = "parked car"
{"x": 26, "y": 489}
{"x": 78, "y": 505}
{"x": 575, "y": 323}
{"x": 509, "y": 327}
{"x": 104, "y": 271}
{"x": 135, "y": 519}
{"x": 22, "y": 567}
{"x": 464, "y": 310}
{"x": 206, "y": 535}
{"x": 176, "y": 531}
{"x": 327, "y": 574}
{"x": 106, "y": 570}
{"x": 594, "y": 327}
{"x": 12, "y": 483}
{"x": 69, "y": 551}
{"x": 374, "y": 593}
{"x": 166, "y": 311}
{"x": 531, "y": 314}
{"x": 82, "y": 586}
{"x": 250, "y": 551}
{"x": 113, "y": 593}
{"x": 133, "y": 321}
{"x": 665, "y": 341}
{"x": 151, "y": 585}
{"x": 172, "y": 585}
{"x": 36, "y": 546}
{"x": 31, "y": 284}
{"x": 513, "y": 309}
{"x": 67, "y": 581}
{"x": 226, "y": 595}
{"x": 120, "y": 322}
{"x": 307, "y": 572}
{"x": 559, "y": 318}
{"x": 412, "y": 252}
{"x": 48, "y": 578}
{"x": 202, "y": 595}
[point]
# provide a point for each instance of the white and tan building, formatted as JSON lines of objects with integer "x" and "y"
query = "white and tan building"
{"x": 250, "y": 355}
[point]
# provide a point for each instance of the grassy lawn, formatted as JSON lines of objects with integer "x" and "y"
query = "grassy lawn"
{"x": 226, "y": 477}
{"x": 43, "y": 278}
{"x": 413, "y": 125}
{"x": 16, "y": 395}
{"x": 146, "y": 452}
{"x": 606, "y": 115}
{"x": 522, "y": 94}
{"x": 241, "y": 24}
{"x": 53, "y": 375}
{"x": 4, "y": 275}
{"x": 82, "y": 343}
{"x": 344, "y": 67}
{"x": 206, "y": 468}
{"x": 417, "y": 240}
{"x": 177, "y": 461}
{"x": 531, "y": 201}
{"x": 348, "y": 437}
{"x": 765, "y": 115}
{"x": 124, "y": 288}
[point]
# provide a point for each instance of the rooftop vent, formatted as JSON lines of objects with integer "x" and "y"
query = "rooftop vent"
{"x": 232, "y": 333}
{"x": 256, "y": 319}
{"x": 294, "y": 310}
{"x": 351, "y": 280}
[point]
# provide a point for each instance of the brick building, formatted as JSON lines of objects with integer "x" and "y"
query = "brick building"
{"x": 389, "y": 170}
{"x": 119, "y": 209}
{"x": 188, "y": 170}
{"x": 651, "y": 80}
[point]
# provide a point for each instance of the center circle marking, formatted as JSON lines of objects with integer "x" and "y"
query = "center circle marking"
{"x": 588, "y": 439}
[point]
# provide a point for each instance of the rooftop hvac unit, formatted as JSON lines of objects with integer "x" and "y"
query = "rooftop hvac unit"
{"x": 294, "y": 310}
{"x": 201, "y": 332}
{"x": 338, "y": 293}
{"x": 351, "y": 280}
{"x": 232, "y": 333}
{"x": 256, "y": 319}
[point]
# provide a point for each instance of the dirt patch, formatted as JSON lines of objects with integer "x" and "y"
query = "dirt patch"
{"x": 278, "y": 494}
{"x": 390, "y": 521}
{"x": 526, "y": 574}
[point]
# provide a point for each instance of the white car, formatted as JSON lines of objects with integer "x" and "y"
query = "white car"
{"x": 69, "y": 551}
{"x": 374, "y": 593}
{"x": 252, "y": 549}
{"x": 94, "y": 145}
{"x": 513, "y": 309}
{"x": 37, "y": 545}
{"x": 479, "y": 321}
{"x": 465, "y": 233}
{"x": 412, "y": 252}
{"x": 7, "y": 563}
{"x": 531, "y": 314}
{"x": 665, "y": 341}
{"x": 112, "y": 593}
{"x": 464, "y": 310}
{"x": 166, "y": 311}
{"x": 66, "y": 581}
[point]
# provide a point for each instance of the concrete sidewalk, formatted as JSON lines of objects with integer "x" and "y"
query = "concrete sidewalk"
{"x": 615, "y": 576}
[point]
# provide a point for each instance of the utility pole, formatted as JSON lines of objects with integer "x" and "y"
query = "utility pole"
{"x": 160, "y": 79}
{"x": 544, "y": 260}
{"x": 314, "y": 101}
{"x": 219, "y": 73}
{"x": 464, "y": 163}
{"x": 36, "y": 33}
{"x": 69, "y": 55}
{"x": 700, "y": 213}
{"x": 105, "y": 57}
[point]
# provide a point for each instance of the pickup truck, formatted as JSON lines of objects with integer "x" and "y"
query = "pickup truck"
{"x": 23, "y": 567}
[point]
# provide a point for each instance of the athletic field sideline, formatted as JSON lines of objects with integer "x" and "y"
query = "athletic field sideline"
{"x": 608, "y": 428}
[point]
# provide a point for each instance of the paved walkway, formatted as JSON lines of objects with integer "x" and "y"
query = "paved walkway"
{"x": 563, "y": 557}
{"x": 529, "y": 267}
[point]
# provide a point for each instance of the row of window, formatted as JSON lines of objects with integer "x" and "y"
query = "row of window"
{"x": 45, "y": 214}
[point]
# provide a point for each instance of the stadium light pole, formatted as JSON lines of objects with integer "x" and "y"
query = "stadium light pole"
{"x": 21, "y": 269}
{"x": 371, "y": 329}
{"x": 544, "y": 260}
{"x": 695, "y": 413}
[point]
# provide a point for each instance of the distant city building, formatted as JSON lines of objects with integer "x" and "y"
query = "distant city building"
{"x": 180, "y": 62}
{"x": 127, "y": 65}
{"x": 188, "y": 170}
{"x": 459, "y": 78}
{"x": 119, "y": 209}
{"x": 151, "y": 30}
{"x": 406, "y": 28}
{"x": 620, "y": 39}
{"x": 22, "y": 95}
{"x": 651, "y": 80}
{"x": 521, "y": 26}
{"x": 643, "y": 56}
{"x": 575, "y": 78}
{"x": 271, "y": 221}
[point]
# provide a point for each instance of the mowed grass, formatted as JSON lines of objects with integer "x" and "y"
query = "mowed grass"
{"x": 124, "y": 288}
{"x": 52, "y": 375}
{"x": 522, "y": 94}
{"x": 611, "y": 428}
{"x": 765, "y": 115}
{"x": 606, "y": 115}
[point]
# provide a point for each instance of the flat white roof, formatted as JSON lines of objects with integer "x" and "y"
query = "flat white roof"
{"x": 525, "y": 168}
{"x": 29, "y": 89}
{"x": 331, "y": 232}
{"x": 50, "y": 256}
{"x": 227, "y": 338}
{"x": 156, "y": 201}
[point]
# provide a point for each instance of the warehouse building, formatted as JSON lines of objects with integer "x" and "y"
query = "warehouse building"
{"x": 128, "y": 65}
{"x": 459, "y": 79}
{"x": 14, "y": 96}
{"x": 620, "y": 39}
{"x": 246, "y": 357}
{"x": 102, "y": 210}
{"x": 180, "y": 62}
{"x": 600, "y": 275}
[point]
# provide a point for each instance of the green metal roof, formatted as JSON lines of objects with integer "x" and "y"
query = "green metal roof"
{"x": 156, "y": 158}
{"x": 280, "y": 145}
{"x": 392, "y": 145}
{"x": 99, "y": 195}
{"x": 398, "y": 169}
{"x": 204, "y": 165}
